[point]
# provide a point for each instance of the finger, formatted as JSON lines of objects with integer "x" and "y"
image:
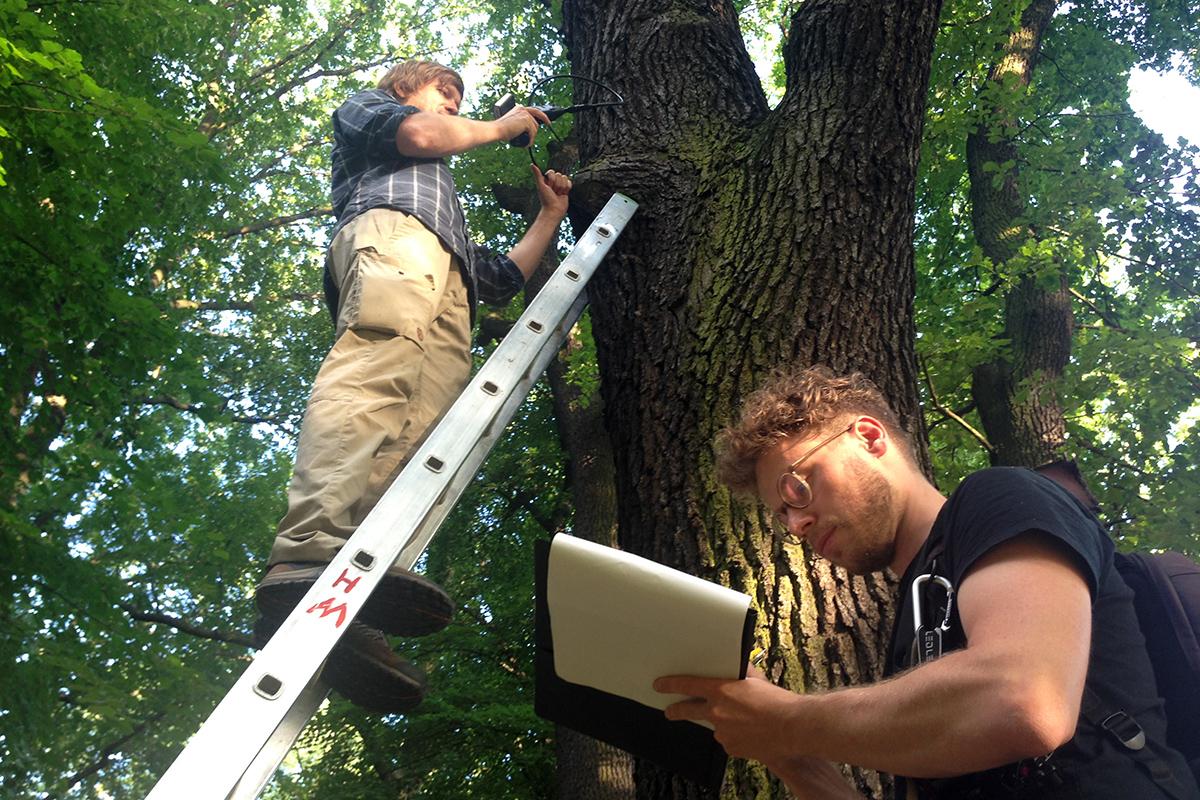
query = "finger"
{"x": 538, "y": 114}
{"x": 559, "y": 182}
{"x": 686, "y": 709}
{"x": 537, "y": 174}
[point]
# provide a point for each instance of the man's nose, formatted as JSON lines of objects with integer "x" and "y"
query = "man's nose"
{"x": 799, "y": 520}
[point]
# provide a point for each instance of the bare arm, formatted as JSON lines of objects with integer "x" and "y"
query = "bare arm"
{"x": 426, "y": 134}
{"x": 553, "y": 189}
{"x": 1013, "y": 693}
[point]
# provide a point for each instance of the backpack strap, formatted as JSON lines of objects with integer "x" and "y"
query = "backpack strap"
{"x": 1129, "y": 734}
{"x": 1117, "y": 723}
{"x": 1158, "y": 571}
{"x": 1166, "y": 597}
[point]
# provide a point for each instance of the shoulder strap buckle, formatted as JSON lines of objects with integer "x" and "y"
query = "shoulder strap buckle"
{"x": 1126, "y": 730}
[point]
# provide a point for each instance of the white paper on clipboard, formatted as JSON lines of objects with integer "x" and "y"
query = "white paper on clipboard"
{"x": 619, "y": 621}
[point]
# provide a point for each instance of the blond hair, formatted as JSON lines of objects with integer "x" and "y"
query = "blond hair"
{"x": 798, "y": 401}
{"x": 408, "y": 77}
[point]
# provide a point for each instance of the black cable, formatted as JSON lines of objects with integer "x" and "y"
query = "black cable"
{"x": 579, "y": 106}
{"x": 554, "y": 112}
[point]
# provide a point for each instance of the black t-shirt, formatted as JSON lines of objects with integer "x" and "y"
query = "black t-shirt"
{"x": 988, "y": 508}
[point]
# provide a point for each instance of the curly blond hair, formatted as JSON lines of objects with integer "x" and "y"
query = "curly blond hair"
{"x": 810, "y": 400}
{"x": 407, "y": 78}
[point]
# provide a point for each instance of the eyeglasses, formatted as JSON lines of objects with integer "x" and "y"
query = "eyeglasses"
{"x": 793, "y": 490}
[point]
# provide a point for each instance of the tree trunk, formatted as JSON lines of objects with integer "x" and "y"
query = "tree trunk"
{"x": 1016, "y": 392}
{"x": 763, "y": 238}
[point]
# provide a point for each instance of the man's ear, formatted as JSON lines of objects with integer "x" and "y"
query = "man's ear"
{"x": 872, "y": 434}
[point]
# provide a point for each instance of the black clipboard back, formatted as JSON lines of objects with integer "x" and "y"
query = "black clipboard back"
{"x": 688, "y": 749}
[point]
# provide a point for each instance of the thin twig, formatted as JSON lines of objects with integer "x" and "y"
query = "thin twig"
{"x": 937, "y": 404}
{"x": 246, "y": 305}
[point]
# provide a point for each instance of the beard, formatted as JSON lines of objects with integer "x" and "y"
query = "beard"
{"x": 867, "y": 523}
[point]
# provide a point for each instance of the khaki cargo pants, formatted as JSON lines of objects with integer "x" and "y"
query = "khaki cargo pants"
{"x": 401, "y": 357}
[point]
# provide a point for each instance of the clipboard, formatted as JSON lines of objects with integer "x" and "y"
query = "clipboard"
{"x": 683, "y": 747}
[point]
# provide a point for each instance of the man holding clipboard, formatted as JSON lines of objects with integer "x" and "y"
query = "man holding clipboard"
{"x": 1017, "y": 617}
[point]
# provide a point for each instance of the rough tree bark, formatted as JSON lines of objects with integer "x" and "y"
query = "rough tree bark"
{"x": 764, "y": 237}
{"x": 1016, "y": 392}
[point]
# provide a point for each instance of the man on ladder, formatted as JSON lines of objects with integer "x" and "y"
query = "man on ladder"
{"x": 402, "y": 279}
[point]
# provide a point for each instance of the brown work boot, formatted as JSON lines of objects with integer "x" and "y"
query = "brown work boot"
{"x": 363, "y": 668}
{"x": 403, "y": 604}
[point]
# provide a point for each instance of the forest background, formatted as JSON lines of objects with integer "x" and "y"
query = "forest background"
{"x": 163, "y": 192}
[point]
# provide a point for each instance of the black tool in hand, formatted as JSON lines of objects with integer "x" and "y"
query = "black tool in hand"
{"x": 507, "y": 102}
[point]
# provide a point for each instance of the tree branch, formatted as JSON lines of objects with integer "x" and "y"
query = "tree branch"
{"x": 1157, "y": 269}
{"x": 948, "y": 412}
{"x": 277, "y": 222}
{"x": 325, "y": 49}
{"x": 296, "y": 52}
{"x": 523, "y": 499}
{"x": 39, "y": 251}
{"x": 337, "y": 36}
{"x": 1104, "y": 317}
{"x": 1110, "y": 458}
{"x": 493, "y": 328}
{"x": 199, "y": 410}
{"x": 157, "y": 618}
{"x": 329, "y": 73}
{"x": 246, "y": 305}
{"x": 1166, "y": 278}
{"x": 266, "y": 169}
{"x": 515, "y": 199}
{"x": 108, "y": 751}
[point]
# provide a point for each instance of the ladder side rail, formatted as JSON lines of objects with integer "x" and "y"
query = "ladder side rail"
{"x": 238, "y": 729}
{"x": 249, "y": 714}
{"x": 421, "y": 537}
{"x": 267, "y": 761}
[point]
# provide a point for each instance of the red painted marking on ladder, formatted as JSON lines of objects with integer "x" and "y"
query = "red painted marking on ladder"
{"x": 350, "y": 584}
{"x": 328, "y": 608}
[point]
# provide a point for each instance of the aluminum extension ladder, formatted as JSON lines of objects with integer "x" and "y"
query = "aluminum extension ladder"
{"x": 238, "y": 749}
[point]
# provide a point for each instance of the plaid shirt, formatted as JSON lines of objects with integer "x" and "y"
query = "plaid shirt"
{"x": 369, "y": 172}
